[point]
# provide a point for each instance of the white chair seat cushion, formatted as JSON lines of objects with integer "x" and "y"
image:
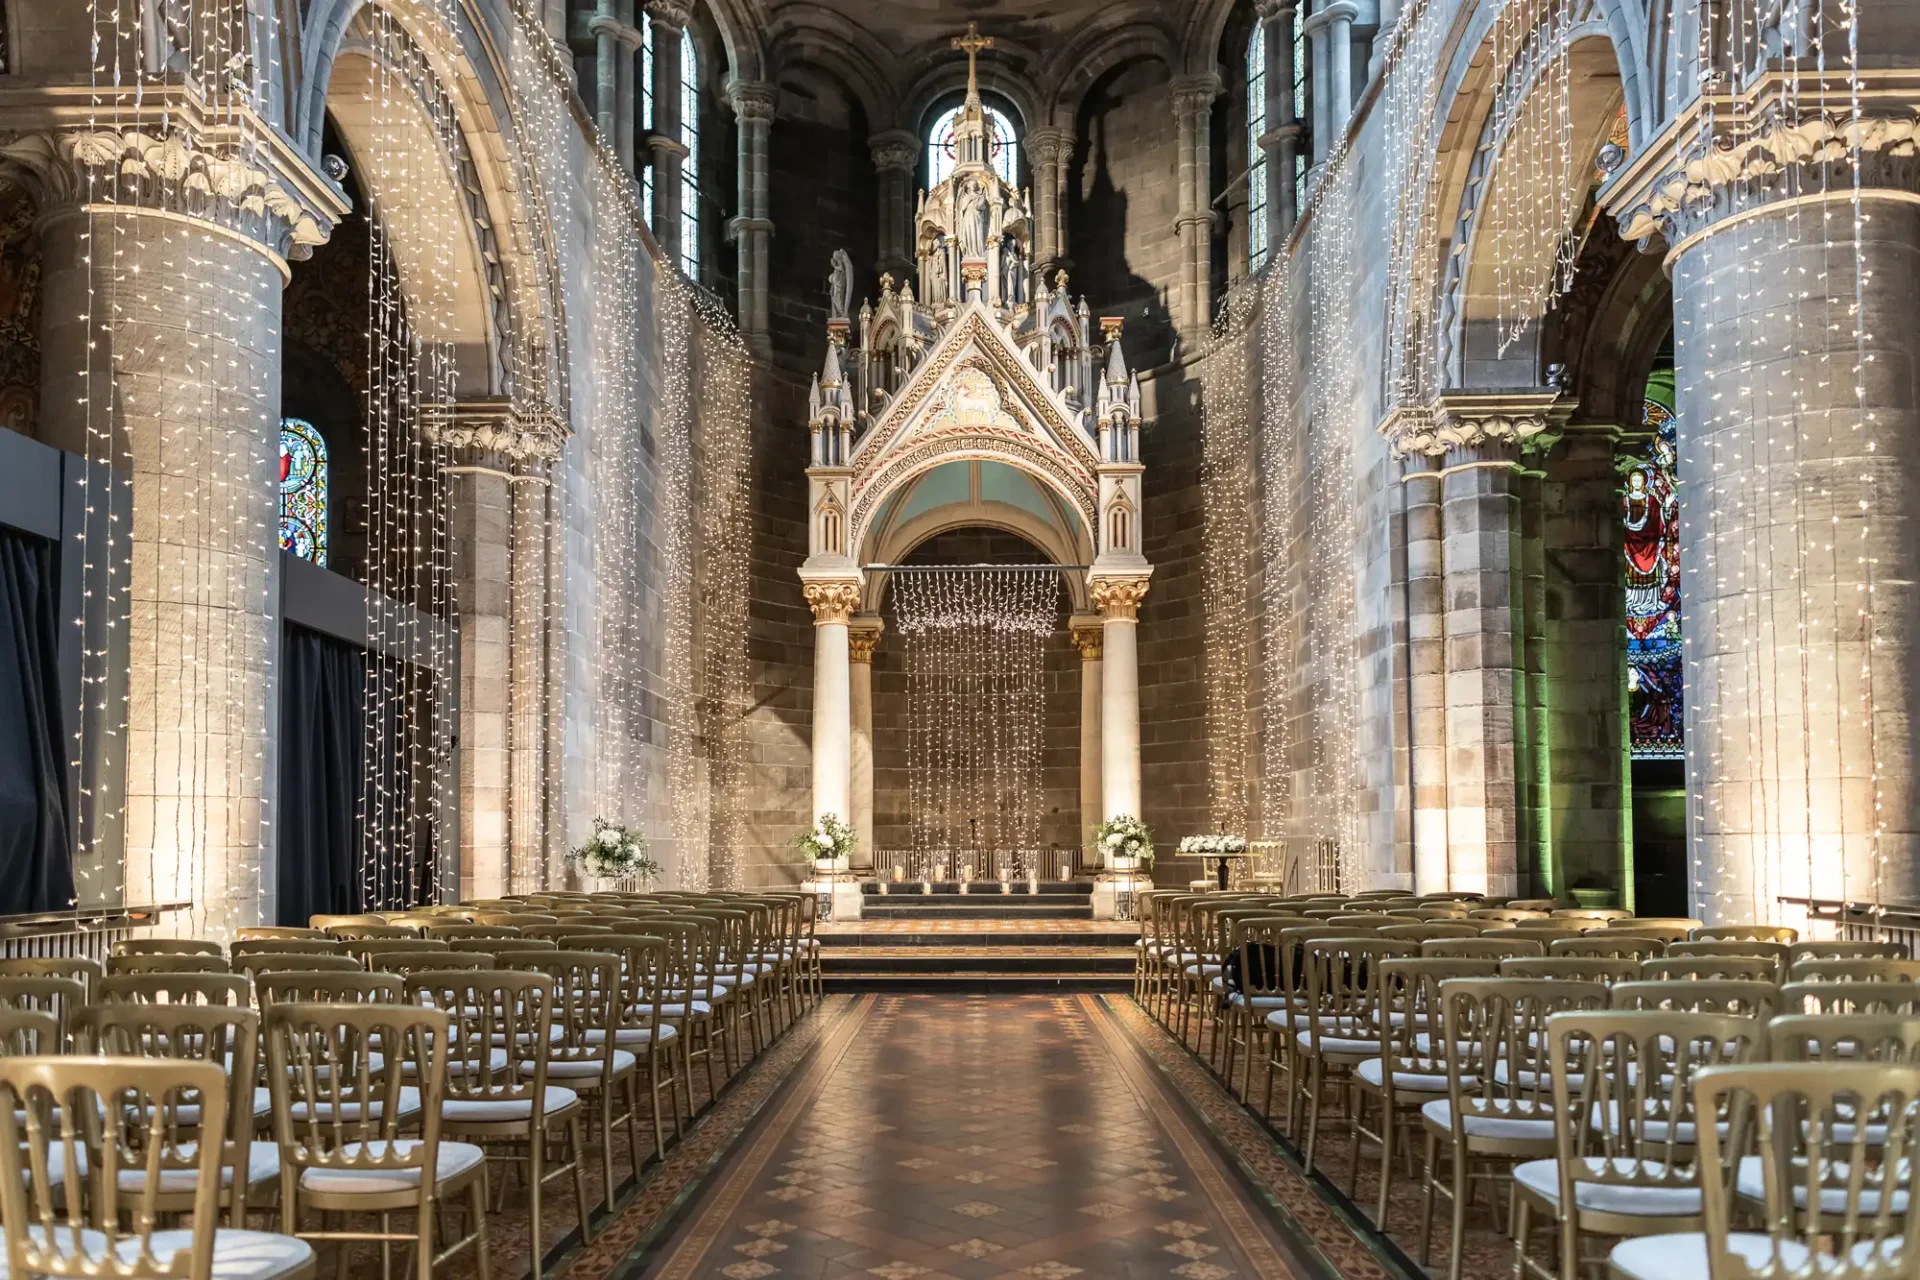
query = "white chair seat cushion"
{"x": 1543, "y": 1178}
{"x": 1654, "y": 1129}
{"x": 188, "y": 1113}
{"x": 491, "y": 1111}
{"x": 1372, "y": 1071}
{"x": 409, "y": 1104}
{"x": 1336, "y": 1044}
{"x": 1516, "y": 1120}
{"x": 1201, "y": 970}
{"x": 237, "y": 1255}
{"x": 631, "y": 1035}
{"x": 1750, "y": 1182}
{"x": 263, "y": 1165}
{"x": 1683, "y": 1256}
{"x": 700, "y": 1010}
{"x": 582, "y": 1070}
{"x": 1261, "y": 1004}
{"x": 451, "y": 1160}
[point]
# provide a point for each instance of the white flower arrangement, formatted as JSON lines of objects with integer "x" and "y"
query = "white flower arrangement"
{"x": 828, "y": 840}
{"x": 614, "y": 852}
{"x": 1214, "y": 846}
{"x": 1125, "y": 837}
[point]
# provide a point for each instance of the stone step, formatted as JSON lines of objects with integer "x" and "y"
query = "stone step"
{"x": 1014, "y": 904}
{"x": 971, "y": 982}
{"x": 987, "y": 937}
{"x": 1029, "y": 960}
{"x": 976, "y": 888}
{"x": 880, "y": 909}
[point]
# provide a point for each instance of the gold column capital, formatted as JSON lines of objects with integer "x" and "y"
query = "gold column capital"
{"x": 1089, "y": 641}
{"x": 832, "y": 602}
{"x": 1115, "y": 598}
{"x": 862, "y": 640}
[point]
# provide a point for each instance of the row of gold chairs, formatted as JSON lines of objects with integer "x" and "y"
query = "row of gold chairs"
{"x": 580, "y": 1002}
{"x": 1362, "y": 1000}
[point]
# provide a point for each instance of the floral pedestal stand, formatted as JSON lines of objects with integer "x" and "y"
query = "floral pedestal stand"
{"x": 837, "y": 888}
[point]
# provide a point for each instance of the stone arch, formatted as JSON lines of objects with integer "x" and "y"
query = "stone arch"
{"x": 810, "y": 35}
{"x": 1205, "y": 28}
{"x": 1467, "y": 312}
{"x": 1097, "y": 52}
{"x": 1001, "y": 76}
{"x": 503, "y": 246}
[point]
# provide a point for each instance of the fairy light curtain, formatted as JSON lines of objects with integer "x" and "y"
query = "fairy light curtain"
{"x": 975, "y": 644}
{"x": 303, "y": 490}
{"x": 1650, "y": 545}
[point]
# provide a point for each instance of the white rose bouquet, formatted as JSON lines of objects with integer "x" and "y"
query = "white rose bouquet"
{"x": 1125, "y": 837}
{"x": 614, "y": 852}
{"x": 828, "y": 840}
{"x": 1214, "y": 846}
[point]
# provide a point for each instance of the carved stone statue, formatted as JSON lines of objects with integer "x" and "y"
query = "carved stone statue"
{"x": 975, "y": 221}
{"x": 840, "y": 285}
{"x": 937, "y": 274}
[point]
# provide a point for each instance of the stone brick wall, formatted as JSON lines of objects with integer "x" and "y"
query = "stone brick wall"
{"x": 823, "y": 198}
{"x": 1122, "y": 198}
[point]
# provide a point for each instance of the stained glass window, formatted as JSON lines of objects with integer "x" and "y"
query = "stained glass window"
{"x": 1256, "y": 154}
{"x": 1302, "y": 75}
{"x": 690, "y": 167}
{"x": 1002, "y": 150}
{"x": 303, "y": 490}
{"x": 1651, "y": 519}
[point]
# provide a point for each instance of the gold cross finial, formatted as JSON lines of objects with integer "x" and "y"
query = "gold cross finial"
{"x": 973, "y": 42}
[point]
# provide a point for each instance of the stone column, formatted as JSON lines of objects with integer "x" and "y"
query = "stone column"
{"x": 752, "y": 229}
{"x": 863, "y": 637}
{"x": 669, "y": 19}
{"x": 1319, "y": 91}
{"x": 1281, "y": 141}
{"x": 1088, "y": 634}
{"x": 1049, "y": 150}
{"x": 1800, "y": 482}
{"x": 1339, "y": 16}
{"x": 833, "y": 604}
{"x": 1118, "y": 603}
{"x": 1193, "y": 107}
{"x": 160, "y": 358}
{"x": 895, "y": 155}
{"x": 1585, "y": 663}
{"x": 615, "y": 42}
{"x": 1427, "y": 673}
{"x": 1536, "y": 867}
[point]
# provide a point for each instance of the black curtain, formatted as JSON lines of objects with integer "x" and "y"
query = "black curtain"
{"x": 323, "y": 717}
{"x": 36, "y": 858}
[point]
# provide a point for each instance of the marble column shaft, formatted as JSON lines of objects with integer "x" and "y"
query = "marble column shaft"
{"x": 753, "y": 105}
{"x": 895, "y": 154}
{"x": 669, "y": 153}
{"x": 1427, "y": 674}
{"x": 862, "y": 637}
{"x": 1193, "y": 106}
{"x": 1088, "y": 636}
{"x": 1049, "y": 149}
{"x": 1282, "y": 138}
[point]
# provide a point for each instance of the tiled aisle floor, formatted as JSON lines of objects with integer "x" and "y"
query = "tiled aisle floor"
{"x": 982, "y": 1139}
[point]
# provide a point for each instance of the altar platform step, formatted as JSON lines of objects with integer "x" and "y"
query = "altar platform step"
{"x": 979, "y": 956}
{"x": 1055, "y": 900}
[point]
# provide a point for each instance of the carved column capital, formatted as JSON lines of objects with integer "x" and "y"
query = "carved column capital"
{"x": 1271, "y": 11}
{"x": 895, "y": 151}
{"x": 1118, "y": 598}
{"x": 1478, "y": 423}
{"x": 1713, "y": 166}
{"x": 831, "y": 601}
{"x": 1049, "y": 145}
{"x": 1088, "y": 640}
{"x": 863, "y": 637}
{"x": 670, "y": 13}
{"x": 162, "y": 155}
{"x": 1194, "y": 95}
{"x": 517, "y": 432}
{"x": 751, "y": 100}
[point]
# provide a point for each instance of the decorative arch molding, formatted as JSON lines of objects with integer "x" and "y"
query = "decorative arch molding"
{"x": 1472, "y": 181}
{"x": 900, "y": 544}
{"x": 813, "y": 35}
{"x": 1205, "y": 28}
{"x": 1001, "y": 76}
{"x": 1095, "y": 53}
{"x": 1024, "y": 456}
{"x": 746, "y": 56}
{"x": 489, "y": 172}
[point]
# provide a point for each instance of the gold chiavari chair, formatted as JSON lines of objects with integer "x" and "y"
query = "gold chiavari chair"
{"x": 1844, "y": 1038}
{"x": 1710, "y": 968}
{"x": 166, "y": 947}
{"x": 637, "y": 1026}
{"x": 1777, "y": 952}
{"x": 1774, "y": 1101}
{"x": 326, "y": 987}
{"x": 1499, "y": 1105}
{"x": 56, "y": 997}
{"x": 1674, "y": 930}
{"x": 87, "y": 973}
{"x": 1843, "y": 949}
{"x": 730, "y": 979}
{"x": 1747, "y": 933}
{"x": 1505, "y": 915}
{"x": 518, "y": 919}
{"x": 167, "y": 964}
{"x": 1604, "y": 915}
{"x": 1851, "y": 997}
{"x": 1429, "y": 932}
{"x": 226, "y": 1036}
{"x": 382, "y": 932}
{"x": 114, "y": 1229}
{"x": 1503, "y": 946}
{"x": 567, "y": 929}
{"x": 499, "y": 948}
{"x": 453, "y": 932}
{"x": 1625, "y": 1128}
{"x": 257, "y": 967}
{"x": 338, "y": 1075}
{"x": 1545, "y": 906}
{"x": 1341, "y": 1018}
{"x": 1608, "y": 944}
{"x": 1255, "y": 940}
{"x": 1288, "y": 1023}
{"x": 1547, "y": 932}
{"x": 695, "y": 1010}
{"x": 1408, "y": 1074}
{"x": 409, "y": 963}
{"x": 328, "y": 923}
{"x": 273, "y": 933}
{"x": 1604, "y": 970}
{"x": 175, "y": 988}
{"x": 26, "y": 1034}
{"x": 321, "y": 946}
{"x": 1872, "y": 969}
{"x": 500, "y": 1020}
{"x": 1745, "y": 997}
{"x": 586, "y": 985}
